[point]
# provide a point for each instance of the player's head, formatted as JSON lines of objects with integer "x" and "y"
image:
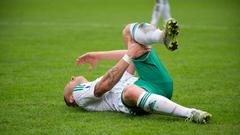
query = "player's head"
{"x": 68, "y": 96}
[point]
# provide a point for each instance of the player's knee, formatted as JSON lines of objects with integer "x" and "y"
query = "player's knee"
{"x": 126, "y": 30}
{"x": 126, "y": 34}
{"x": 128, "y": 96}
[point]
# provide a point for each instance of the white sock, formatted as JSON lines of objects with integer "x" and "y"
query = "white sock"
{"x": 147, "y": 34}
{"x": 166, "y": 11}
{"x": 156, "y": 104}
{"x": 157, "y": 12}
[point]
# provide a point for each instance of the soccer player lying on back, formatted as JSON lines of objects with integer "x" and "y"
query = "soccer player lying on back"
{"x": 118, "y": 90}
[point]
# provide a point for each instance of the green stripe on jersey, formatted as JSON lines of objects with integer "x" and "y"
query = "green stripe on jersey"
{"x": 79, "y": 87}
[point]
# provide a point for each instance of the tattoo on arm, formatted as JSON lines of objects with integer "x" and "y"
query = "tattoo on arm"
{"x": 111, "y": 77}
{"x": 108, "y": 81}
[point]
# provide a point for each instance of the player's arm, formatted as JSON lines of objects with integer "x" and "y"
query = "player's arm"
{"x": 92, "y": 58}
{"x": 114, "y": 74}
{"x": 110, "y": 78}
{"x": 102, "y": 55}
{"x": 110, "y": 55}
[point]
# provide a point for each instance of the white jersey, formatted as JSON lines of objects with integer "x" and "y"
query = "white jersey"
{"x": 111, "y": 101}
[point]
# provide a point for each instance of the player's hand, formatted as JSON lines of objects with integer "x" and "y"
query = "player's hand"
{"x": 136, "y": 50}
{"x": 87, "y": 58}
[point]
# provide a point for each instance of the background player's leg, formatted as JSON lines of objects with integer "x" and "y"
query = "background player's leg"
{"x": 166, "y": 11}
{"x": 157, "y": 12}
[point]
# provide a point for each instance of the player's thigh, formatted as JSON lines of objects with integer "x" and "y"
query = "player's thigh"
{"x": 149, "y": 67}
{"x": 153, "y": 76}
{"x": 164, "y": 89}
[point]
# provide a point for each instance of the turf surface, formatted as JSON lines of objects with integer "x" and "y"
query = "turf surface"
{"x": 40, "y": 40}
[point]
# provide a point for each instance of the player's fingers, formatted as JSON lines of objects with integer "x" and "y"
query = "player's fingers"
{"x": 80, "y": 60}
{"x": 79, "y": 63}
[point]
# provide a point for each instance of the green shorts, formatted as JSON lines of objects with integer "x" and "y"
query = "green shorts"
{"x": 153, "y": 77}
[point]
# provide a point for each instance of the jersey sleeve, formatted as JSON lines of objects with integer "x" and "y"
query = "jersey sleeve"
{"x": 83, "y": 94}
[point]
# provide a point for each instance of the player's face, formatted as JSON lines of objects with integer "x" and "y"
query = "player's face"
{"x": 75, "y": 80}
{"x": 68, "y": 97}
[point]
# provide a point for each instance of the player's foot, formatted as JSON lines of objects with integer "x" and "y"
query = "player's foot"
{"x": 199, "y": 116}
{"x": 170, "y": 33}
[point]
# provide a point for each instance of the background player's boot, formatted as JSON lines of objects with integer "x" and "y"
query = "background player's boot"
{"x": 199, "y": 116}
{"x": 170, "y": 34}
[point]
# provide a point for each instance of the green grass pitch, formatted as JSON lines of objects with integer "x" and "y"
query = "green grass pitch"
{"x": 40, "y": 40}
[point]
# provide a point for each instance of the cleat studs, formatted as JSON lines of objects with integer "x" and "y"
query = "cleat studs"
{"x": 176, "y": 26}
{"x": 174, "y": 46}
{"x": 204, "y": 121}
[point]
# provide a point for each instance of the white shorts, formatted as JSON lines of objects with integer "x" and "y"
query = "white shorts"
{"x": 110, "y": 101}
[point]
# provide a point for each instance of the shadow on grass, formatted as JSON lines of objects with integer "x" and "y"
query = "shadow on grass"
{"x": 111, "y": 115}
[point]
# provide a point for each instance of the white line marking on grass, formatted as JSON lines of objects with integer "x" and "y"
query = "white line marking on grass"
{"x": 57, "y": 24}
{"x": 208, "y": 27}
{"x": 104, "y": 25}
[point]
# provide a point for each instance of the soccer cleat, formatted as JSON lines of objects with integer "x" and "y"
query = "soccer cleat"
{"x": 170, "y": 33}
{"x": 199, "y": 116}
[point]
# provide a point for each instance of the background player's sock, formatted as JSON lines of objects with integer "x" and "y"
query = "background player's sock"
{"x": 166, "y": 11}
{"x": 156, "y": 104}
{"x": 148, "y": 34}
